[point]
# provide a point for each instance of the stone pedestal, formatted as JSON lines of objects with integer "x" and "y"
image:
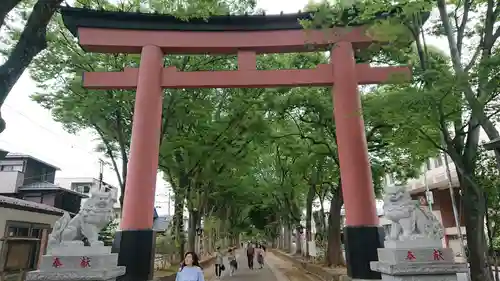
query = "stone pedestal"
{"x": 417, "y": 260}
{"x": 73, "y": 261}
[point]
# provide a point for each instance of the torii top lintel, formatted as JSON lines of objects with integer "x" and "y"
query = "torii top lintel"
{"x": 244, "y": 35}
{"x": 126, "y": 32}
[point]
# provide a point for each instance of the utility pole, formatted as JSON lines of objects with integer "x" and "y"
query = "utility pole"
{"x": 168, "y": 198}
{"x": 101, "y": 171}
{"x": 428, "y": 193}
{"x": 454, "y": 203}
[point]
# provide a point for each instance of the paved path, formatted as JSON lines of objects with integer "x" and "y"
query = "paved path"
{"x": 285, "y": 270}
{"x": 245, "y": 274}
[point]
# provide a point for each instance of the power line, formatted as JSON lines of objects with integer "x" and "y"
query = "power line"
{"x": 28, "y": 151}
{"x": 58, "y": 136}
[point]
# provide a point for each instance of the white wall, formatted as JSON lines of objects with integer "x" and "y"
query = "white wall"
{"x": 92, "y": 182}
{"x": 10, "y": 181}
{"x": 8, "y": 214}
{"x": 433, "y": 175}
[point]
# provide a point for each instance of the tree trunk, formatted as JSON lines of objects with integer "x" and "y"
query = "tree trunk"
{"x": 285, "y": 243}
{"x": 490, "y": 234}
{"x": 334, "y": 255}
{"x": 476, "y": 239}
{"x": 282, "y": 237}
{"x": 179, "y": 222}
{"x": 288, "y": 238}
{"x": 193, "y": 223}
{"x": 309, "y": 202}
{"x": 322, "y": 217}
{"x": 298, "y": 241}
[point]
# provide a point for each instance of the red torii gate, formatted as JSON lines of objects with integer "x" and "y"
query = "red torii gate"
{"x": 154, "y": 35}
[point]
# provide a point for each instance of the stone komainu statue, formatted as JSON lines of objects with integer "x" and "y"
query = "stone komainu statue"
{"x": 94, "y": 215}
{"x": 409, "y": 220}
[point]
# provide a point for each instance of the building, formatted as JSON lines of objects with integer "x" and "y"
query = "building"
{"x": 85, "y": 185}
{"x": 434, "y": 178}
{"x": 25, "y": 177}
{"x": 3, "y": 153}
{"x": 24, "y": 229}
{"x": 161, "y": 223}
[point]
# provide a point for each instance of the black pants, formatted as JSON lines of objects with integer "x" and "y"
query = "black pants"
{"x": 250, "y": 261}
{"x": 218, "y": 270}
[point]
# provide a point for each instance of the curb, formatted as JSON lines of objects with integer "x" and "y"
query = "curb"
{"x": 314, "y": 270}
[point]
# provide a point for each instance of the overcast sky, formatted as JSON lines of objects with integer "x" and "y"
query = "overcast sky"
{"x": 31, "y": 130}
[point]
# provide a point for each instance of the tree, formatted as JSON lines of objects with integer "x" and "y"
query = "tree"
{"x": 435, "y": 108}
{"x": 24, "y": 43}
{"x": 478, "y": 89}
{"x": 107, "y": 234}
{"x": 452, "y": 121}
{"x": 488, "y": 177}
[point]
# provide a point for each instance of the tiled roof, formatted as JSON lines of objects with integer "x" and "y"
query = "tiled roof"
{"x": 49, "y": 186}
{"x": 41, "y": 185}
{"x": 21, "y": 155}
{"x": 161, "y": 223}
{"x": 28, "y": 204}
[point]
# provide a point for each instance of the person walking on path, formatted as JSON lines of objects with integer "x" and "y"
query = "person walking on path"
{"x": 233, "y": 264}
{"x": 260, "y": 252}
{"x": 250, "y": 255}
{"x": 219, "y": 263}
{"x": 190, "y": 269}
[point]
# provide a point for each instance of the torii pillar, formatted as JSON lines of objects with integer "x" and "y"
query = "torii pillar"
{"x": 362, "y": 234}
{"x": 136, "y": 236}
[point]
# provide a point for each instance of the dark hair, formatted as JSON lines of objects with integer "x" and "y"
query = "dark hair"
{"x": 230, "y": 250}
{"x": 196, "y": 260}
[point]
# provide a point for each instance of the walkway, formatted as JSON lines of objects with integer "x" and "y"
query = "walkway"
{"x": 274, "y": 269}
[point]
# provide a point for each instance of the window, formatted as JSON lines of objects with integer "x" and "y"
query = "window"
{"x": 22, "y": 242}
{"x": 86, "y": 188}
{"x": 37, "y": 198}
{"x": 11, "y": 231}
{"x": 82, "y": 188}
{"x": 20, "y": 255}
{"x": 43, "y": 176}
{"x": 24, "y": 229}
{"x": 9, "y": 168}
{"x": 438, "y": 162}
{"x": 428, "y": 164}
{"x": 18, "y": 231}
{"x": 36, "y": 233}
